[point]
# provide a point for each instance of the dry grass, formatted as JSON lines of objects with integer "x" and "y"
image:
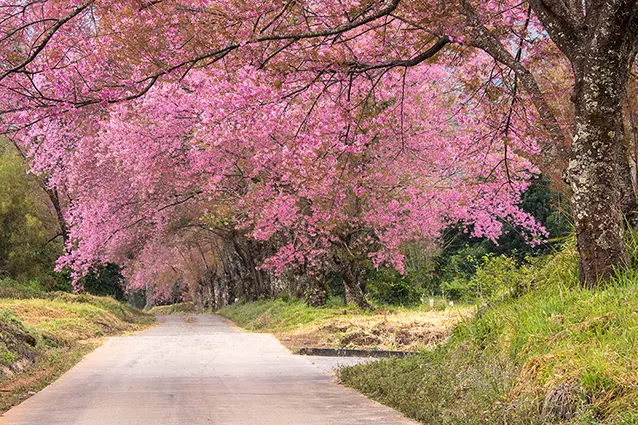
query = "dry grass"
{"x": 297, "y": 325}
{"x": 404, "y": 331}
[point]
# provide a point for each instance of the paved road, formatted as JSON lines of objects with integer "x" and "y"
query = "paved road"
{"x": 198, "y": 370}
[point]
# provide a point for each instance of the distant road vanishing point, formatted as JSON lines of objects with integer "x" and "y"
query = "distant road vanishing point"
{"x": 198, "y": 370}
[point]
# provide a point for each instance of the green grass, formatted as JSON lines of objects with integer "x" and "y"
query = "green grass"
{"x": 180, "y": 308}
{"x": 499, "y": 367}
{"x": 282, "y": 315}
{"x": 10, "y": 288}
{"x": 41, "y": 338}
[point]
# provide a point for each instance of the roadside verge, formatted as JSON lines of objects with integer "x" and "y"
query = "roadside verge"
{"x": 41, "y": 338}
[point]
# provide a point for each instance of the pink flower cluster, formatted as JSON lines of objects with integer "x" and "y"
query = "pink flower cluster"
{"x": 153, "y": 130}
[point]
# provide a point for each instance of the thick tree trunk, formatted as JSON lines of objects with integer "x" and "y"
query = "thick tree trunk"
{"x": 600, "y": 40}
{"x": 240, "y": 258}
{"x": 628, "y": 201}
{"x": 212, "y": 290}
{"x": 597, "y": 172}
{"x": 354, "y": 281}
{"x": 316, "y": 290}
{"x": 148, "y": 293}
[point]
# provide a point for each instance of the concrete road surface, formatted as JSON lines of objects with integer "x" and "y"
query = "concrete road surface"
{"x": 196, "y": 370}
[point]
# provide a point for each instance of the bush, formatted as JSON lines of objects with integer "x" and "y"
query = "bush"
{"x": 106, "y": 280}
{"x": 101, "y": 280}
{"x": 461, "y": 264}
{"x": 456, "y": 289}
{"x": 391, "y": 288}
{"x": 497, "y": 277}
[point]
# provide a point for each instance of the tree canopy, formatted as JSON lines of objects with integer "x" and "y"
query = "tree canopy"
{"x": 334, "y": 132}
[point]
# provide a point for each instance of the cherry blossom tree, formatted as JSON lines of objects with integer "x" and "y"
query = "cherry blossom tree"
{"x": 68, "y": 68}
{"x": 333, "y": 182}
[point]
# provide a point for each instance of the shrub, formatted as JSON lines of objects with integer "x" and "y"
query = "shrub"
{"x": 393, "y": 289}
{"x": 456, "y": 289}
{"x": 497, "y": 277}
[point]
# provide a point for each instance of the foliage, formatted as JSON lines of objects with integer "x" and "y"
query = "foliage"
{"x": 496, "y": 277}
{"x": 10, "y": 288}
{"x": 26, "y": 223}
{"x": 387, "y": 286}
{"x": 498, "y": 367}
{"x": 547, "y": 206}
{"x": 452, "y": 271}
{"x": 462, "y": 254}
{"x": 469, "y": 268}
{"x": 340, "y": 162}
{"x": 105, "y": 280}
{"x": 324, "y": 128}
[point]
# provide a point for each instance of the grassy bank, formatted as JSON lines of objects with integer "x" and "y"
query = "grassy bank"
{"x": 180, "y": 308}
{"x": 556, "y": 354}
{"x": 336, "y": 326}
{"x": 41, "y": 338}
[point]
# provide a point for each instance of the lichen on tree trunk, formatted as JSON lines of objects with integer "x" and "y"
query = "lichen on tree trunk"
{"x": 600, "y": 40}
{"x": 596, "y": 170}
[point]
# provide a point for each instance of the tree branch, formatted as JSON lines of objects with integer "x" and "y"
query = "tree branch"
{"x": 48, "y": 36}
{"x": 437, "y": 47}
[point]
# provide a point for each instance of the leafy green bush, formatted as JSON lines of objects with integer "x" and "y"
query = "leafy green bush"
{"x": 497, "y": 277}
{"x": 388, "y": 287}
{"x": 101, "y": 280}
{"x": 460, "y": 264}
{"x": 456, "y": 289}
{"x": 104, "y": 280}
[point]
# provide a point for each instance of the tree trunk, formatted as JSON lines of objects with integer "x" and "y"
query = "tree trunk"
{"x": 352, "y": 281}
{"x": 316, "y": 290}
{"x": 596, "y": 171}
{"x": 235, "y": 276}
{"x": 240, "y": 258}
{"x": 600, "y": 40}
{"x": 55, "y": 201}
